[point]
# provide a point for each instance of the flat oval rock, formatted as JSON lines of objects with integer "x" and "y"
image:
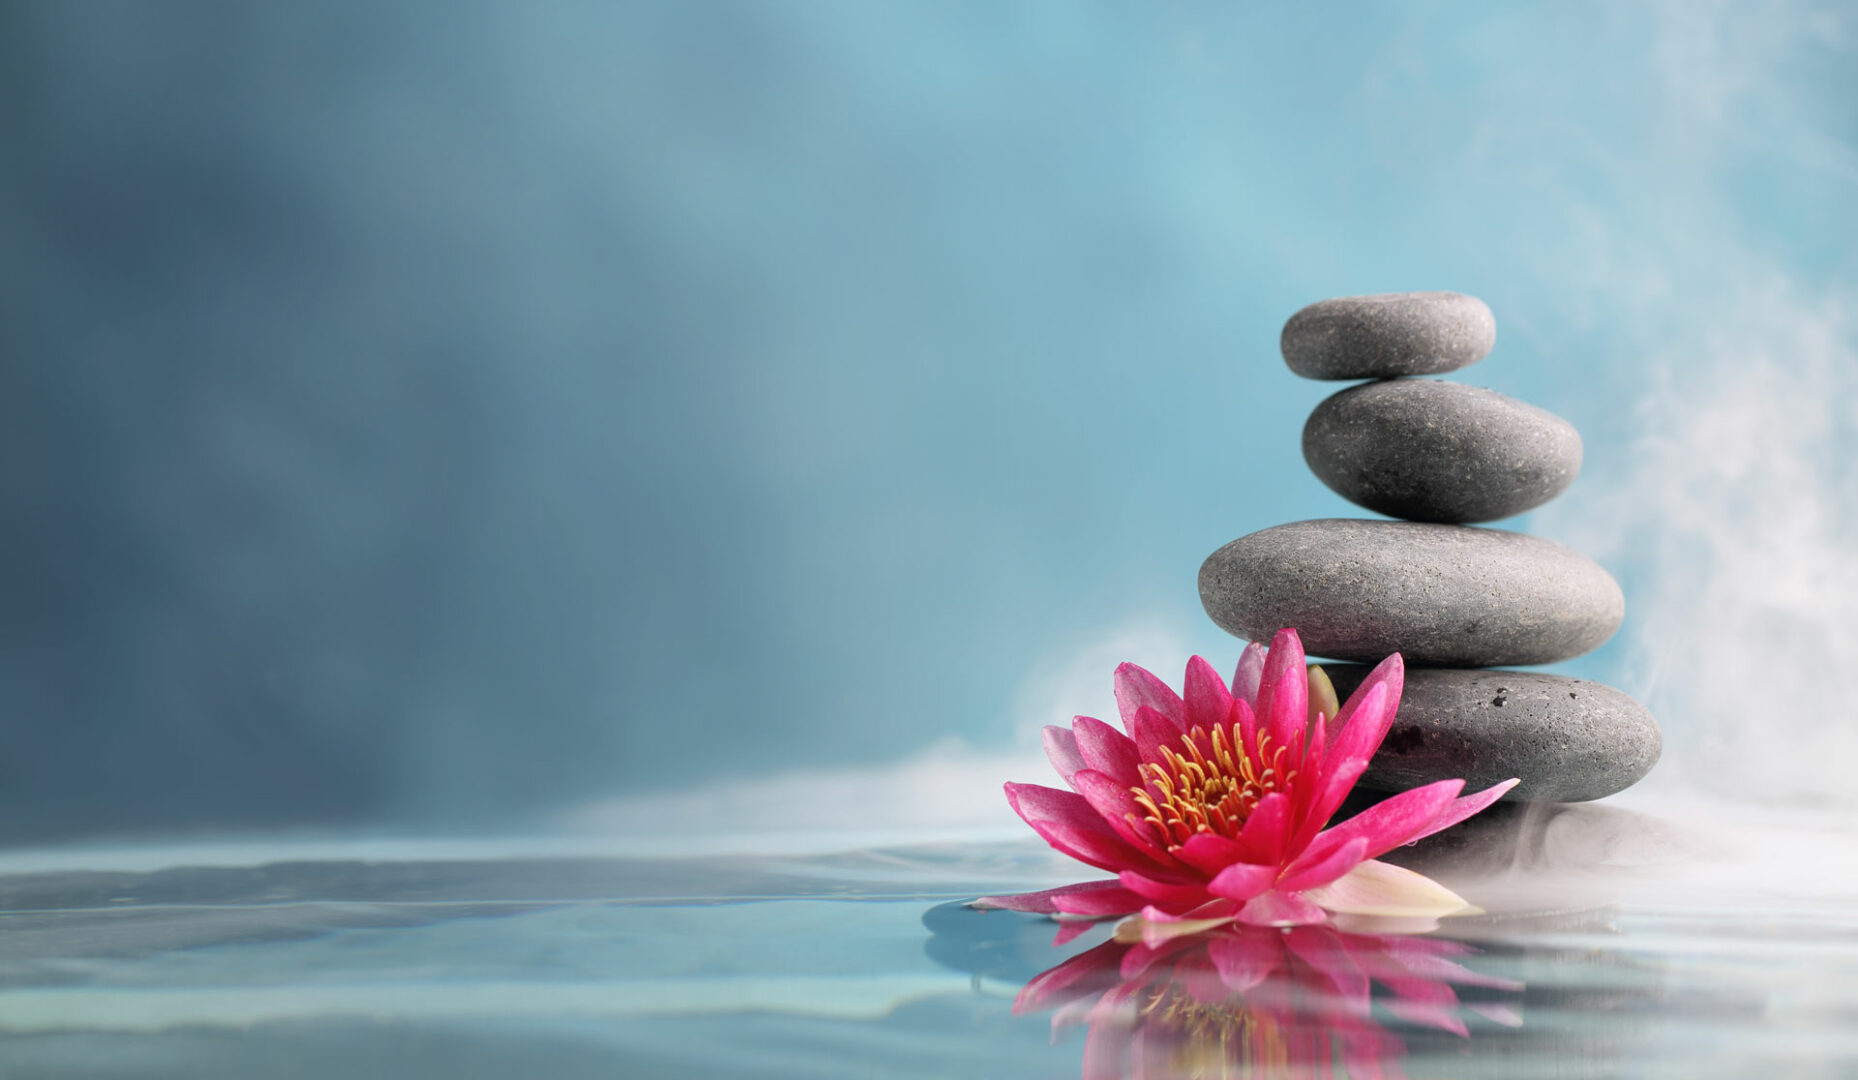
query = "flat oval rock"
{"x": 1376, "y": 337}
{"x": 1440, "y": 595}
{"x": 1427, "y": 450}
{"x": 1569, "y": 740}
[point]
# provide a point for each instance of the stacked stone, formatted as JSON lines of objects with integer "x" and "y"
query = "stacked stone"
{"x": 1458, "y": 602}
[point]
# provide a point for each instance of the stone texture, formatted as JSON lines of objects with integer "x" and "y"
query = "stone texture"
{"x": 1375, "y": 337}
{"x": 1427, "y": 450}
{"x": 1569, "y": 740}
{"x": 1441, "y": 595}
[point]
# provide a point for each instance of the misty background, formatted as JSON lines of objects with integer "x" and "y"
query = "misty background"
{"x": 467, "y": 416}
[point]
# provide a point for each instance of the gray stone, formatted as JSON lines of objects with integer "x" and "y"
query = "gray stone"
{"x": 1427, "y": 450}
{"x": 1441, "y": 595}
{"x": 1375, "y": 337}
{"x": 1569, "y": 740}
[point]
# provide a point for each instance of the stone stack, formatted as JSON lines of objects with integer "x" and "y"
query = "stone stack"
{"x": 1458, "y": 602}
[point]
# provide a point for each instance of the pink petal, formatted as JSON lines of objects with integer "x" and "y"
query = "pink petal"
{"x": 1283, "y": 693}
{"x": 1100, "y": 903}
{"x": 1175, "y": 896}
{"x": 1245, "y": 723}
{"x": 1390, "y": 673}
{"x": 1040, "y": 903}
{"x": 1262, "y": 838}
{"x": 1279, "y": 908}
{"x": 1071, "y": 929}
{"x": 1137, "y": 687}
{"x": 1061, "y": 749}
{"x": 1242, "y": 881}
{"x": 1153, "y": 731}
{"x": 1385, "y": 825}
{"x": 1068, "y": 823}
{"x": 1323, "y": 871}
{"x": 1209, "y": 852}
{"x": 1107, "y": 750}
{"x": 1250, "y": 672}
{"x": 1104, "y": 850}
{"x": 1465, "y": 807}
{"x": 1346, "y": 759}
{"x": 1116, "y": 805}
{"x": 1208, "y": 701}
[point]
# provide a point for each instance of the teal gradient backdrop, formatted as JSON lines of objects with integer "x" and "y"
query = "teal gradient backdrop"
{"x": 446, "y": 414}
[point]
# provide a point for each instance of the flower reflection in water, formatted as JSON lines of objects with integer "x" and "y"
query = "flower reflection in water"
{"x": 1261, "y": 1001}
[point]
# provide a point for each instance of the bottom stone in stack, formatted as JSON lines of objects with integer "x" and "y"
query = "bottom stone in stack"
{"x": 1569, "y": 740}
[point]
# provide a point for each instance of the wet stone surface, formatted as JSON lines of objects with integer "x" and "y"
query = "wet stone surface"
{"x": 1427, "y": 450}
{"x": 1568, "y": 740}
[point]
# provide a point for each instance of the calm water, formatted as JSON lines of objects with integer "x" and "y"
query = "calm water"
{"x": 1609, "y": 951}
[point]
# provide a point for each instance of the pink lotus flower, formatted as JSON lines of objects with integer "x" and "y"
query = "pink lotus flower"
{"x": 1211, "y": 808}
{"x": 1244, "y": 1000}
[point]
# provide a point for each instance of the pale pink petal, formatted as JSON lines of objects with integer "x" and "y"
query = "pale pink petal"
{"x": 1207, "y": 699}
{"x": 1384, "y": 924}
{"x": 1279, "y": 908}
{"x": 1152, "y": 926}
{"x": 1040, "y": 903}
{"x": 1171, "y": 895}
{"x": 1070, "y": 929}
{"x": 1250, "y": 672}
{"x": 1283, "y": 693}
{"x": 1378, "y": 888}
{"x": 1243, "y": 881}
{"x": 1137, "y": 687}
{"x": 1323, "y": 871}
{"x": 1116, "y": 805}
{"x": 1107, "y": 750}
{"x": 1061, "y": 749}
{"x": 1036, "y": 803}
{"x": 1100, "y": 903}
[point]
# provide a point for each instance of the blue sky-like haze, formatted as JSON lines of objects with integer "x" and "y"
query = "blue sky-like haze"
{"x": 441, "y": 416}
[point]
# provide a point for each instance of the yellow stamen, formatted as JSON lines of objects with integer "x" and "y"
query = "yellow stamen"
{"x": 1190, "y": 790}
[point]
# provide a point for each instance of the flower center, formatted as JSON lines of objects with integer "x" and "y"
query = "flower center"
{"x": 1193, "y": 791}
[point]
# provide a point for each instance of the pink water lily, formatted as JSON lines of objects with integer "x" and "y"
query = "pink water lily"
{"x": 1213, "y": 806}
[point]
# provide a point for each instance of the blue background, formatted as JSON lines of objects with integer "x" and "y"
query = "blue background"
{"x": 443, "y": 415}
